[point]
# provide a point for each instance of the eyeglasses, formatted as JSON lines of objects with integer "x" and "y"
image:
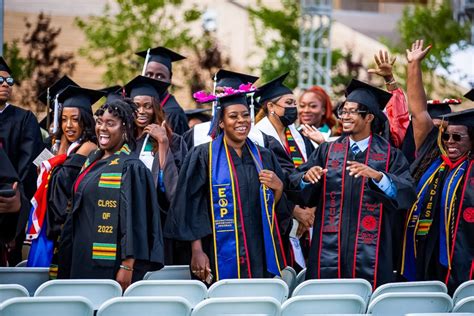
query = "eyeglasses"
{"x": 341, "y": 113}
{"x": 456, "y": 137}
{"x": 10, "y": 81}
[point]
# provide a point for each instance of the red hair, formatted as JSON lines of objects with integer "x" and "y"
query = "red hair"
{"x": 328, "y": 117}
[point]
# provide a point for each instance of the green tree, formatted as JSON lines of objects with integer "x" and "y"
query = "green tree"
{"x": 113, "y": 38}
{"x": 434, "y": 23}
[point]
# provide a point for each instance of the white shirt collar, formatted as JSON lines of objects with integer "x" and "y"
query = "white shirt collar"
{"x": 6, "y": 106}
{"x": 362, "y": 144}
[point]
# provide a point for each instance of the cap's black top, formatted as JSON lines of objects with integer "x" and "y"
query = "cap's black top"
{"x": 227, "y": 78}
{"x": 465, "y": 118}
{"x": 272, "y": 89}
{"x": 4, "y": 66}
{"x": 112, "y": 93}
{"x": 76, "y": 97}
{"x": 374, "y": 98}
{"x": 436, "y": 110}
{"x": 201, "y": 114}
{"x": 141, "y": 85}
{"x": 236, "y": 98}
{"x": 55, "y": 89}
{"x": 162, "y": 55}
{"x": 470, "y": 95}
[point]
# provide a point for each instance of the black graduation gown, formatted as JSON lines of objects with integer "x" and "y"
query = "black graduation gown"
{"x": 175, "y": 116}
{"x": 427, "y": 261}
{"x": 60, "y": 188}
{"x": 312, "y": 195}
{"x": 189, "y": 218}
{"x": 175, "y": 252}
{"x": 139, "y": 233}
{"x": 21, "y": 139}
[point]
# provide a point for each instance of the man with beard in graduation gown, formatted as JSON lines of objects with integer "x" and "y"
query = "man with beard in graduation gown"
{"x": 360, "y": 184}
{"x": 439, "y": 230}
{"x": 21, "y": 139}
{"x": 11, "y": 205}
{"x": 201, "y": 215}
{"x": 159, "y": 66}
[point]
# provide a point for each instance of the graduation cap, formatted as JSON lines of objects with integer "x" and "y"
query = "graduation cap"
{"x": 77, "y": 97}
{"x": 227, "y": 78}
{"x": 373, "y": 98}
{"x": 465, "y": 118}
{"x": 141, "y": 85}
{"x": 56, "y": 88}
{"x": 273, "y": 89}
{"x": 4, "y": 66}
{"x": 470, "y": 95}
{"x": 437, "y": 108}
{"x": 199, "y": 114}
{"x": 112, "y": 93}
{"x": 236, "y": 98}
{"x": 161, "y": 55}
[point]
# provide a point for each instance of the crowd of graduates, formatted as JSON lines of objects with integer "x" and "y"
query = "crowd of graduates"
{"x": 253, "y": 180}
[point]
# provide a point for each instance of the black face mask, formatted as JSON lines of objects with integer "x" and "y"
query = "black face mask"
{"x": 289, "y": 117}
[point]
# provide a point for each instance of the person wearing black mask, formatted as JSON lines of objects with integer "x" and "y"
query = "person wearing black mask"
{"x": 276, "y": 118}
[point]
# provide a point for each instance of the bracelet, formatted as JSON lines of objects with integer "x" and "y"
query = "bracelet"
{"x": 390, "y": 82}
{"x": 122, "y": 266}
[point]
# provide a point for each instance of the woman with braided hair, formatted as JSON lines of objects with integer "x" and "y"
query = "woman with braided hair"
{"x": 112, "y": 231}
{"x": 439, "y": 231}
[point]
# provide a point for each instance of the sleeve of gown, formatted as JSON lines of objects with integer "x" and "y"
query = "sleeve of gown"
{"x": 60, "y": 190}
{"x": 178, "y": 121}
{"x": 309, "y": 194}
{"x": 188, "y": 218}
{"x": 30, "y": 147}
{"x": 284, "y": 207}
{"x": 397, "y": 113}
{"x": 399, "y": 174}
{"x": 9, "y": 222}
{"x": 140, "y": 227}
{"x": 174, "y": 160}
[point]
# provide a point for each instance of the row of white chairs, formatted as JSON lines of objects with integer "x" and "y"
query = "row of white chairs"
{"x": 194, "y": 292}
{"x": 261, "y": 306}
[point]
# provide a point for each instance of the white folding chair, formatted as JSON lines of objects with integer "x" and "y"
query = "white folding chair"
{"x": 30, "y": 278}
{"x": 419, "y": 286}
{"x": 359, "y": 287}
{"x": 261, "y": 306}
{"x": 8, "y": 291}
{"x": 192, "y": 290}
{"x": 288, "y": 275}
{"x": 464, "y": 290}
{"x": 466, "y": 305}
{"x": 275, "y": 288}
{"x": 47, "y": 306}
{"x": 323, "y": 304}
{"x": 169, "y": 273}
{"x": 301, "y": 277}
{"x": 96, "y": 290}
{"x": 399, "y": 304}
{"x": 145, "y": 306}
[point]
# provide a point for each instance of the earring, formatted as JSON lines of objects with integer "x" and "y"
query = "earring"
{"x": 272, "y": 112}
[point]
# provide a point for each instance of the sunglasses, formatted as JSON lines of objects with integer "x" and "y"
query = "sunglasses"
{"x": 9, "y": 80}
{"x": 456, "y": 137}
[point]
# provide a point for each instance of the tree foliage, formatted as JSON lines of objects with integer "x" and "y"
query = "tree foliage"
{"x": 113, "y": 38}
{"x": 43, "y": 64}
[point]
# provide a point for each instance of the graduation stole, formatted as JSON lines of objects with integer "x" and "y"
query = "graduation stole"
{"x": 106, "y": 218}
{"x": 226, "y": 208}
{"x": 367, "y": 238}
{"x": 293, "y": 149}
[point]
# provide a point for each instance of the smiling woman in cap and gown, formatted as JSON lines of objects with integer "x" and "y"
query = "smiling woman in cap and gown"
{"x": 113, "y": 230}
{"x": 230, "y": 204}
{"x": 159, "y": 66}
{"x": 76, "y": 135}
{"x": 161, "y": 150}
{"x": 361, "y": 185}
{"x": 439, "y": 231}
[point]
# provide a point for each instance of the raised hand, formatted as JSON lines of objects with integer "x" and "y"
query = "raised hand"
{"x": 313, "y": 133}
{"x": 158, "y": 132}
{"x": 417, "y": 53}
{"x": 357, "y": 169}
{"x": 384, "y": 65}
